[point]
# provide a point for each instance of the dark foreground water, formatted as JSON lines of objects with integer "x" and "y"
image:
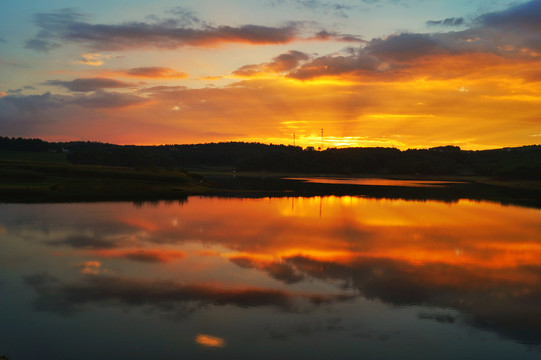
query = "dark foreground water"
{"x": 300, "y": 278}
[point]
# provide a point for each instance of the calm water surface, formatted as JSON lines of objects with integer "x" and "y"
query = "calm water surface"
{"x": 376, "y": 181}
{"x": 304, "y": 278}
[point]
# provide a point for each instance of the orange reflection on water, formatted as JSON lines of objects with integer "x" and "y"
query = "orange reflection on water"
{"x": 209, "y": 341}
{"x": 464, "y": 234}
{"x": 497, "y": 242}
{"x": 374, "y": 182}
{"x": 90, "y": 267}
{"x": 480, "y": 258}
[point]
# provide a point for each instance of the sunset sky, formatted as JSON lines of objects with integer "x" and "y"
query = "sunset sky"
{"x": 402, "y": 73}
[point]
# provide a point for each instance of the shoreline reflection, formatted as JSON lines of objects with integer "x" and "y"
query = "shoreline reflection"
{"x": 468, "y": 264}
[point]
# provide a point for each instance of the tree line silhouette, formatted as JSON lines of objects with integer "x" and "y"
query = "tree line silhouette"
{"x": 513, "y": 163}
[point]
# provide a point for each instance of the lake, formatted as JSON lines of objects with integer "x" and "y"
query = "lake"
{"x": 343, "y": 277}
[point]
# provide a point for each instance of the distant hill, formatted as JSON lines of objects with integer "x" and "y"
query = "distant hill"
{"x": 508, "y": 163}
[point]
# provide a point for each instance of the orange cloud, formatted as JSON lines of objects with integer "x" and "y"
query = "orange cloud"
{"x": 93, "y": 59}
{"x": 156, "y": 72}
{"x": 150, "y": 72}
{"x": 417, "y": 108}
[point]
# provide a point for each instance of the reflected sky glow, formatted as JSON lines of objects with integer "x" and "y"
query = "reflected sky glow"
{"x": 210, "y": 341}
{"x": 479, "y": 263}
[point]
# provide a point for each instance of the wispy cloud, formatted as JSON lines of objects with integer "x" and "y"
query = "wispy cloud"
{"x": 280, "y": 64}
{"x": 453, "y": 21}
{"x": 155, "y": 72}
{"x": 340, "y": 9}
{"x": 142, "y": 255}
{"x": 93, "y": 59}
{"x": 144, "y": 72}
{"x": 41, "y": 45}
{"x": 337, "y": 9}
{"x": 20, "y": 104}
{"x": 85, "y": 242}
{"x": 68, "y": 25}
{"x": 89, "y": 84}
{"x": 107, "y": 100}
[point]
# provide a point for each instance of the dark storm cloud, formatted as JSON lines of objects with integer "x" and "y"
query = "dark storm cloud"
{"x": 168, "y": 296}
{"x": 447, "y": 22}
{"x": 89, "y": 84}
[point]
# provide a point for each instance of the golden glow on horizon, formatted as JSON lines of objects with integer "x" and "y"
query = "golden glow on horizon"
{"x": 477, "y": 89}
{"x": 417, "y": 108}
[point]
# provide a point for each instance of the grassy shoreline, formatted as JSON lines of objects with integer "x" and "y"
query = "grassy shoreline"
{"x": 31, "y": 181}
{"x": 34, "y": 181}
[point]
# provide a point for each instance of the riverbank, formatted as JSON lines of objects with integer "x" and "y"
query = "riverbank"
{"x": 28, "y": 181}
{"x": 31, "y": 181}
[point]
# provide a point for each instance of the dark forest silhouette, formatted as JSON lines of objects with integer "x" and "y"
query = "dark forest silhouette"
{"x": 508, "y": 163}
